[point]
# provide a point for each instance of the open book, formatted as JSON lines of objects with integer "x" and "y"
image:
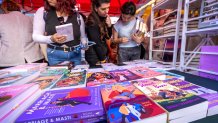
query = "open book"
{"x": 67, "y": 30}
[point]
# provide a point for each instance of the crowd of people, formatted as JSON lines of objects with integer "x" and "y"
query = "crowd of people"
{"x": 21, "y": 36}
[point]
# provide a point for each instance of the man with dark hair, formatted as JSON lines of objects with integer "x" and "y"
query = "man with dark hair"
{"x": 98, "y": 27}
{"x": 16, "y": 45}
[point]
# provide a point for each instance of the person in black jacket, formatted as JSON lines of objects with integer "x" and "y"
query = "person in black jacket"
{"x": 98, "y": 29}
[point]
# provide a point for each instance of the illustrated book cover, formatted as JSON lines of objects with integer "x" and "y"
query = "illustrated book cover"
{"x": 177, "y": 102}
{"x": 124, "y": 75}
{"x": 46, "y": 82}
{"x": 72, "y": 80}
{"x": 125, "y": 103}
{"x": 99, "y": 77}
{"x": 210, "y": 95}
{"x": 18, "y": 78}
{"x": 144, "y": 72}
{"x": 65, "y": 105}
{"x": 14, "y": 99}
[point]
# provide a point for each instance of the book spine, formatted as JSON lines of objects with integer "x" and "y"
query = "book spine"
{"x": 90, "y": 114}
{"x": 66, "y": 118}
{"x": 91, "y": 120}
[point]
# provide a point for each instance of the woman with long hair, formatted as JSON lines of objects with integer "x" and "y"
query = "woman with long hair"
{"x": 98, "y": 28}
{"x": 55, "y": 13}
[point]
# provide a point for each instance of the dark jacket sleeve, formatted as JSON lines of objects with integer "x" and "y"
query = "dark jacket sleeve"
{"x": 109, "y": 31}
{"x": 100, "y": 48}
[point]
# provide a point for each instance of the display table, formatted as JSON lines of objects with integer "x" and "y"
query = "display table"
{"x": 208, "y": 83}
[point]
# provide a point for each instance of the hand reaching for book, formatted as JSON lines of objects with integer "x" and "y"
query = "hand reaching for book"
{"x": 56, "y": 38}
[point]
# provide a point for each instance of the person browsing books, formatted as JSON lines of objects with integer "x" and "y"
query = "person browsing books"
{"x": 99, "y": 29}
{"x": 16, "y": 44}
{"x": 125, "y": 34}
{"x": 59, "y": 15}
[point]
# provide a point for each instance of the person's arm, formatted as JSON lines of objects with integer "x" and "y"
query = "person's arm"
{"x": 116, "y": 39}
{"x": 39, "y": 28}
{"x": 109, "y": 25}
{"x": 82, "y": 28}
{"x": 93, "y": 33}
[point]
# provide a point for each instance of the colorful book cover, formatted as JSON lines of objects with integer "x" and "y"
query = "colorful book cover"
{"x": 144, "y": 82}
{"x": 125, "y": 103}
{"x": 73, "y": 79}
{"x": 210, "y": 95}
{"x": 8, "y": 93}
{"x": 124, "y": 75}
{"x": 49, "y": 77}
{"x": 65, "y": 105}
{"x": 54, "y": 71}
{"x": 144, "y": 72}
{"x": 189, "y": 87}
{"x": 46, "y": 82}
{"x": 14, "y": 99}
{"x": 17, "y": 78}
{"x": 99, "y": 77}
{"x": 177, "y": 102}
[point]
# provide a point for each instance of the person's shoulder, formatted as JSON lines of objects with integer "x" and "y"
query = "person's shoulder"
{"x": 40, "y": 10}
{"x": 119, "y": 21}
{"x": 91, "y": 21}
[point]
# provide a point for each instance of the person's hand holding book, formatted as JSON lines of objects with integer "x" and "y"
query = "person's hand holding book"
{"x": 57, "y": 38}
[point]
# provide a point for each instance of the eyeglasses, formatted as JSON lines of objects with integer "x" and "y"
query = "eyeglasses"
{"x": 61, "y": 20}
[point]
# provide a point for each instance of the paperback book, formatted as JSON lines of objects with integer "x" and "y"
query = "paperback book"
{"x": 49, "y": 77}
{"x": 210, "y": 95}
{"x": 66, "y": 30}
{"x": 177, "y": 102}
{"x": 46, "y": 82}
{"x": 125, "y": 103}
{"x": 99, "y": 77}
{"x": 74, "y": 79}
{"x": 144, "y": 72}
{"x": 124, "y": 75}
{"x": 50, "y": 71}
{"x": 67, "y": 105}
{"x": 14, "y": 99}
{"x": 18, "y": 78}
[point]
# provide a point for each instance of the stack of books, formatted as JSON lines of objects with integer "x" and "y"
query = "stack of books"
{"x": 66, "y": 106}
{"x": 180, "y": 105}
{"x": 124, "y": 103}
